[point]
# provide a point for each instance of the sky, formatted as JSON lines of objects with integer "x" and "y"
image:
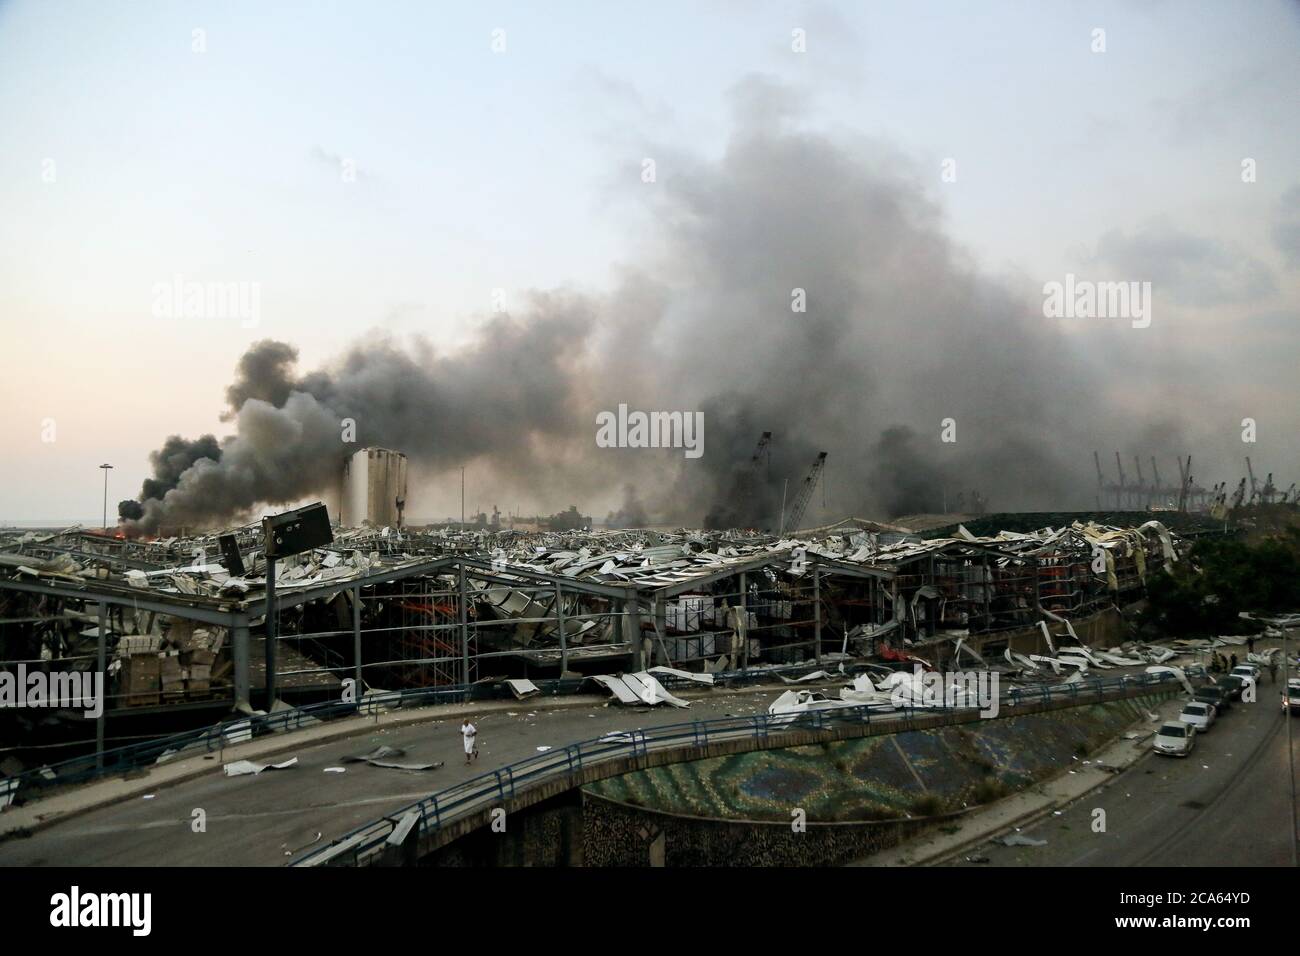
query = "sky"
{"x": 405, "y": 169}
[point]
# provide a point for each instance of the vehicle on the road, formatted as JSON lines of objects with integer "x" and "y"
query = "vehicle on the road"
{"x": 1175, "y": 739}
{"x": 1199, "y": 714}
{"x": 1213, "y": 694}
{"x": 1232, "y": 686}
{"x": 1291, "y": 696}
{"x": 1248, "y": 674}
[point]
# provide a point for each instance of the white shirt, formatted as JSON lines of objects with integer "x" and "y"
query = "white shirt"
{"x": 468, "y": 731}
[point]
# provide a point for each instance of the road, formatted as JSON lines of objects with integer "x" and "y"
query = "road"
{"x": 263, "y": 820}
{"x": 1227, "y": 804}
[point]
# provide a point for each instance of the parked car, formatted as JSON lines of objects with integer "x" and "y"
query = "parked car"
{"x": 1232, "y": 686}
{"x": 1248, "y": 674}
{"x": 1175, "y": 739}
{"x": 1199, "y": 714}
{"x": 1213, "y": 694}
{"x": 1291, "y": 696}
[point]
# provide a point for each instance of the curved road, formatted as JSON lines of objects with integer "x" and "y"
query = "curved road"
{"x": 262, "y": 820}
{"x": 1227, "y": 804}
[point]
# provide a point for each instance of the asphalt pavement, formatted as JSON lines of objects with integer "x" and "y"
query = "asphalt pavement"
{"x": 1226, "y": 804}
{"x": 265, "y": 819}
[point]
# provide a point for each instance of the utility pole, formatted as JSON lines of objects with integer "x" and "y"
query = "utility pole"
{"x": 1290, "y": 753}
{"x": 106, "y": 470}
{"x": 462, "y": 497}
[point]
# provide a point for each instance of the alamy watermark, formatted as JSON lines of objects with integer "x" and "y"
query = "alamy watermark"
{"x": 75, "y": 908}
{"x": 1084, "y": 299}
{"x": 948, "y": 689}
{"x": 637, "y": 429}
{"x": 58, "y": 689}
{"x": 180, "y": 299}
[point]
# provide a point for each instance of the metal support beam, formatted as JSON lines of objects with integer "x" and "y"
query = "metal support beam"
{"x": 129, "y": 597}
{"x": 270, "y": 633}
{"x": 240, "y": 642}
{"x": 464, "y": 625}
{"x": 932, "y": 606}
{"x": 101, "y": 657}
{"x": 661, "y": 628}
{"x": 559, "y": 624}
{"x": 817, "y": 614}
{"x": 356, "y": 638}
{"x": 743, "y": 630}
{"x": 632, "y": 629}
{"x": 988, "y": 589}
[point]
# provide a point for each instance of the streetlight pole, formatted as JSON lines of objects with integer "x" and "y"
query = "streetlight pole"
{"x": 1290, "y": 752}
{"x": 106, "y": 469}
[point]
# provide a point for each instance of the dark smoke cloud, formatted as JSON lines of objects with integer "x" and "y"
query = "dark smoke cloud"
{"x": 900, "y": 333}
{"x": 265, "y": 372}
{"x": 495, "y": 399}
{"x": 632, "y": 513}
{"x": 169, "y": 463}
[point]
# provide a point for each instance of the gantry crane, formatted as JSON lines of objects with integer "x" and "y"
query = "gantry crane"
{"x": 805, "y": 493}
{"x": 1269, "y": 490}
{"x": 749, "y": 482}
{"x": 1240, "y": 495}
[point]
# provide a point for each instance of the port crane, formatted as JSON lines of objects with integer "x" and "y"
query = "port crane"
{"x": 805, "y": 493}
{"x": 749, "y": 480}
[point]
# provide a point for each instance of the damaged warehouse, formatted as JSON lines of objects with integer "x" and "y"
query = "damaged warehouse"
{"x": 381, "y": 611}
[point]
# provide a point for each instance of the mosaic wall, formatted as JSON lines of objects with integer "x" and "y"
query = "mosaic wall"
{"x": 918, "y": 773}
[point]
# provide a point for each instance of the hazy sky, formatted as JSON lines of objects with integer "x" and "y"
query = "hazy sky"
{"x": 129, "y": 157}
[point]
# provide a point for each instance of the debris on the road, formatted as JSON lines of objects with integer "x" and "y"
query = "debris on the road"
{"x": 335, "y": 770}
{"x": 684, "y": 675}
{"x": 806, "y": 678}
{"x": 1019, "y": 839}
{"x": 241, "y": 767}
{"x": 390, "y": 765}
{"x": 543, "y": 749}
{"x": 382, "y": 756}
{"x": 638, "y": 688}
{"x": 315, "y": 839}
{"x": 522, "y": 688}
{"x": 382, "y": 752}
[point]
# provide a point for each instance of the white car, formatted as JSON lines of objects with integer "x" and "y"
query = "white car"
{"x": 1199, "y": 714}
{"x": 1291, "y": 696}
{"x": 1247, "y": 673}
{"x": 1176, "y": 740}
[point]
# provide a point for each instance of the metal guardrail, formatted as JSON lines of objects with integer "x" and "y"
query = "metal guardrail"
{"x": 88, "y": 767}
{"x": 361, "y": 845}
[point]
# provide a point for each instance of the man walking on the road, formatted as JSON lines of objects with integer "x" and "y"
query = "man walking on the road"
{"x": 470, "y": 733}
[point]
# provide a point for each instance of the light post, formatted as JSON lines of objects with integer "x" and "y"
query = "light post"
{"x": 106, "y": 469}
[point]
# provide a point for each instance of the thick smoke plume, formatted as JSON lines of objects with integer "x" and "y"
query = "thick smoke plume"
{"x": 293, "y": 432}
{"x": 900, "y": 332}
